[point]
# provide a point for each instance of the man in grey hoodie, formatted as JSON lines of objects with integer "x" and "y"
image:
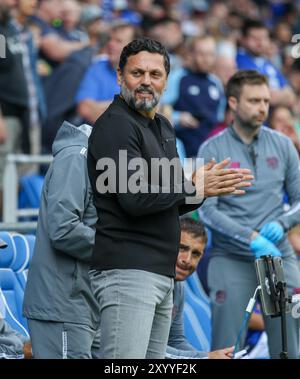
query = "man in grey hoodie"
{"x": 63, "y": 316}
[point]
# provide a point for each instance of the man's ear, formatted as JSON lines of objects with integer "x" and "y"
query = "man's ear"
{"x": 119, "y": 76}
{"x": 232, "y": 102}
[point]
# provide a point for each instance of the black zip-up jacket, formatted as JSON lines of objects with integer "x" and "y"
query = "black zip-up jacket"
{"x": 136, "y": 230}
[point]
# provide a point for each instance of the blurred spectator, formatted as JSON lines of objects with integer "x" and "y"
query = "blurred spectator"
{"x": 225, "y": 65}
{"x": 169, "y": 33}
{"x": 216, "y": 19}
{"x": 197, "y": 96}
{"x": 92, "y": 22}
{"x": 294, "y": 78}
{"x": 283, "y": 33}
{"x": 144, "y": 9}
{"x": 255, "y": 44}
{"x": 53, "y": 48}
{"x": 273, "y": 53}
{"x": 234, "y": 23}
{"x": 37, "y": 106}
{"x": 198, "y": 20}
{"x": 245, "y": 8}
{"x": 282, "y": 120}
{"x": 120, "y": 10}
{"x": 20, "y": 98}
{"x": 3, "y": 132}
{"x": 194, "y": 5}
{"x": 70, "y": 17}
{"x": 220, "y": 126}
{"x": 99, "y": 84}
{"x": 10, "y": 96}
{"x": 62, "y": 86}
{"x": 294, "y": 238}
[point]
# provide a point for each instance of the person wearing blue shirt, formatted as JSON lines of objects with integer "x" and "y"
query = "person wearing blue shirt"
{"x": 252, "y": 56}
{"x": 99, "y": 85}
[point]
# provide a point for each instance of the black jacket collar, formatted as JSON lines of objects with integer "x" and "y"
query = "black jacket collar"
{"x": 118, "y": 100}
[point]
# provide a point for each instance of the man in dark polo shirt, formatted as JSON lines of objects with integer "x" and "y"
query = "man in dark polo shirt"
{"x": 138, "y": 231}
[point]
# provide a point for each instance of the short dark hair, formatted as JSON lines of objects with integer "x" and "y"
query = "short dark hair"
{"x": 144, "y": 44}
{"x": 252, "y": 24}
{"x": 242, "y": 77}
{"x": 194, "y": 227}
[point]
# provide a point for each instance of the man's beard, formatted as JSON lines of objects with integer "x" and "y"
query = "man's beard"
{"x": 145, "y": 104}
{"x": 250, "y": 124}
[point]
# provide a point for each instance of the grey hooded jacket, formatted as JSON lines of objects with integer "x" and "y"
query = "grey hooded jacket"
{"x": 58, "y": 286}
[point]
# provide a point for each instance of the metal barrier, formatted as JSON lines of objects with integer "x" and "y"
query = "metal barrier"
{"x": 11, "y": 213}
{"x": 20, "y": 227}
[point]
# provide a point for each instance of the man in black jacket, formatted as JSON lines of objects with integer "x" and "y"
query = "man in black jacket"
{"x": 138, "y": 207}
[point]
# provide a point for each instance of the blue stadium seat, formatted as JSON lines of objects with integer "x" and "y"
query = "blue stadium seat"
{"x": 31, "y": 190}
{"x": 8, "y": 254}
{"x": 193, "y": 330}
{"x": 198, "y": 328}
{"x": 22, "y": 260}
{"x": 17, "y": 255}
{"x": 31, "y": 242}
{"x": 11, "y": 295}
{"x": 3, "y": 244}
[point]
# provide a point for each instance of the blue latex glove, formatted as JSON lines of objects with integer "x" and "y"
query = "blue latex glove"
{"x": 260, "y": 246}
{"x": 273, "y": 231}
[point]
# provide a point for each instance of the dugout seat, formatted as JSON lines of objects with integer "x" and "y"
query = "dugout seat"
{"x": 197, "y": 320}
{"x": 11, "y": 296}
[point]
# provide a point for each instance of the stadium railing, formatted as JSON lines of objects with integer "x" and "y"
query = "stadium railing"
{"x": 11, "y": 212}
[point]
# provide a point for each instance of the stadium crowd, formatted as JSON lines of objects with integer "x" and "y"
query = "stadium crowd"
{"x": 59, "y": 66}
